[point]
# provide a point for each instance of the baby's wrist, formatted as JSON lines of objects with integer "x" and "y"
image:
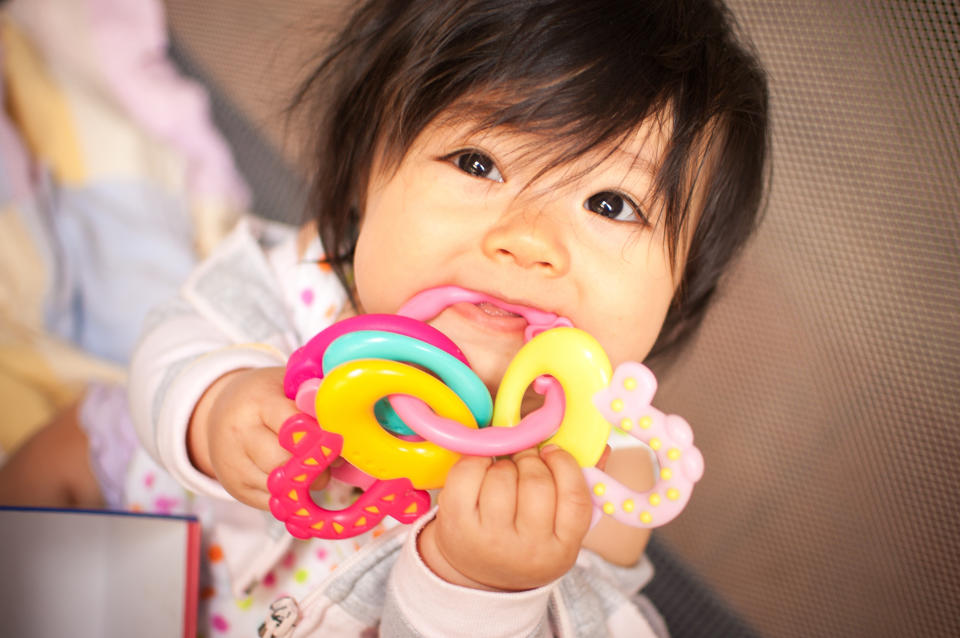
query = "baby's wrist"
{"x": 437, "y": 563}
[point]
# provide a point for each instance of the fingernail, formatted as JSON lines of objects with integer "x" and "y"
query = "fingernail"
{"x": 550, "y": 447}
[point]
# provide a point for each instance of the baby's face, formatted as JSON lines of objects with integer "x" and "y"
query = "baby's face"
{"x": 465, "y": 209}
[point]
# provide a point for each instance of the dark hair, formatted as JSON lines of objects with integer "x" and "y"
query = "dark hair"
{"x": 587, "y": 72}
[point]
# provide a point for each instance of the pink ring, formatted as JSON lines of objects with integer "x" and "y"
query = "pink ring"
{"x": 534, "y": 428}
{"x": 427, "y": 304}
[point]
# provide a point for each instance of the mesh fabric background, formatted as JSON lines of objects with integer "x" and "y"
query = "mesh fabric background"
{"x": 824, "y": 389}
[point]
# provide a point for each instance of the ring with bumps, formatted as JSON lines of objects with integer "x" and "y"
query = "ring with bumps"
{"x": 398, "y": 429}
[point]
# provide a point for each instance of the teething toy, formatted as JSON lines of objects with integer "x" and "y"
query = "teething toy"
{"x": 313, "y": 450}
{"x": 344, "y": 405}
{"x": 531, "y": 430}
{"x": 582, "y": 368}
{"x": 455, "y": 373}
{"x": 428, "y": 304}
{"x": 398, "y": 429}
{"x": 307, "y": 362}
{"x": 625, "y": 403}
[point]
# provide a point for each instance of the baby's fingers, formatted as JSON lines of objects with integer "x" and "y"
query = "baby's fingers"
{"x": 244, "y": 481}
{"x": 460, "y": 496}
{"x": 257, "y": 498}
{"x": 275, "y": 410}
{"x": 574, "y": 506}
{"x": 497, "y": 501}
{"x": 263, "y": 448}
{"x": 536, "y": 494}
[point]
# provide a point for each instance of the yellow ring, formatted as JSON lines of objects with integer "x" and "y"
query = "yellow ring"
{"x": 345, "y": 403}
{"x": 576, "y": 360}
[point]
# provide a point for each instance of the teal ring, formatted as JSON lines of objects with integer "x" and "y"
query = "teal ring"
{"x": 378, "y": 344}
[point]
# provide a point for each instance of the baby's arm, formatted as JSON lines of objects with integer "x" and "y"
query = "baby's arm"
{"x": 500, "y": 565}
{"x": 202, "y": 397}
{"x": 618, "y": 543}
{"x": 184, "y": 368}
{"x": 519, "y": 524}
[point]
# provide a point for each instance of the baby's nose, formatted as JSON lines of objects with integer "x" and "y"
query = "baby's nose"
{"x": 531, "y": 241}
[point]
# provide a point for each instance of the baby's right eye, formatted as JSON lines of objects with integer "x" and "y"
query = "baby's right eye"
{"x": 478, "y": 164}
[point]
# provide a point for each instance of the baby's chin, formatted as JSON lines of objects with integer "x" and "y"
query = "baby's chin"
{"x": 487, "y": 358}
{"x": 489, "y": 370}
{"x": 490, "y": 373}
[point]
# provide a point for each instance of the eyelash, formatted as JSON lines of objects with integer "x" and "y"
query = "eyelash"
{"x": 458, "y": 158}
{"x": 638, "y": 214}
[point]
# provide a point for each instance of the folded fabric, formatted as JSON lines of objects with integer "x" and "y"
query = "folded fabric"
{"x": 113, "y": 182}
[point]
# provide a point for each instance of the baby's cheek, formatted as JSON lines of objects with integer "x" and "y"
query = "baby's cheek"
{"x": 631, "y": 337}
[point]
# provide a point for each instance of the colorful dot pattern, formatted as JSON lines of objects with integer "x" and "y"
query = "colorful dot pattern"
{"x": 296, "y": 574}
{"x": 316, "y": 298}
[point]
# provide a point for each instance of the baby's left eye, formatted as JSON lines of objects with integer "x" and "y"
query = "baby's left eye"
{"x": 613, "y": 205}
{"x": 478, "y": 164}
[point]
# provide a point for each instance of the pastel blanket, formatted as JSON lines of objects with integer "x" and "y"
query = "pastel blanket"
{"x": 113, "y": 182}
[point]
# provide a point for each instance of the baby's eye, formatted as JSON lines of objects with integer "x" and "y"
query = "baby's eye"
{"x": 615, "y": 206}
{"x": 477, "y": 164}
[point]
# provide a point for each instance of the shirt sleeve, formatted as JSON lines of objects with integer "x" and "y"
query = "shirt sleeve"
{"x": 174, "y": 364}
{"x": 229, "y": 315}
{"x": 595, "y": 598}
{"x": 420, "y": 604}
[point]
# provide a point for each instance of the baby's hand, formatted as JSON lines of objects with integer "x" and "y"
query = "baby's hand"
{"x": 512, "y": 524}
{"x": 233, "y": 432}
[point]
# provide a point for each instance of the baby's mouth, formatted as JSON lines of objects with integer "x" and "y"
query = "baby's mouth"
{"x": 494, "y": 310}
{"x": 427, "y": 304}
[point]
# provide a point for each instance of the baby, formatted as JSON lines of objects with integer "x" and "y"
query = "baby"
{"x": 602, "y": 161}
